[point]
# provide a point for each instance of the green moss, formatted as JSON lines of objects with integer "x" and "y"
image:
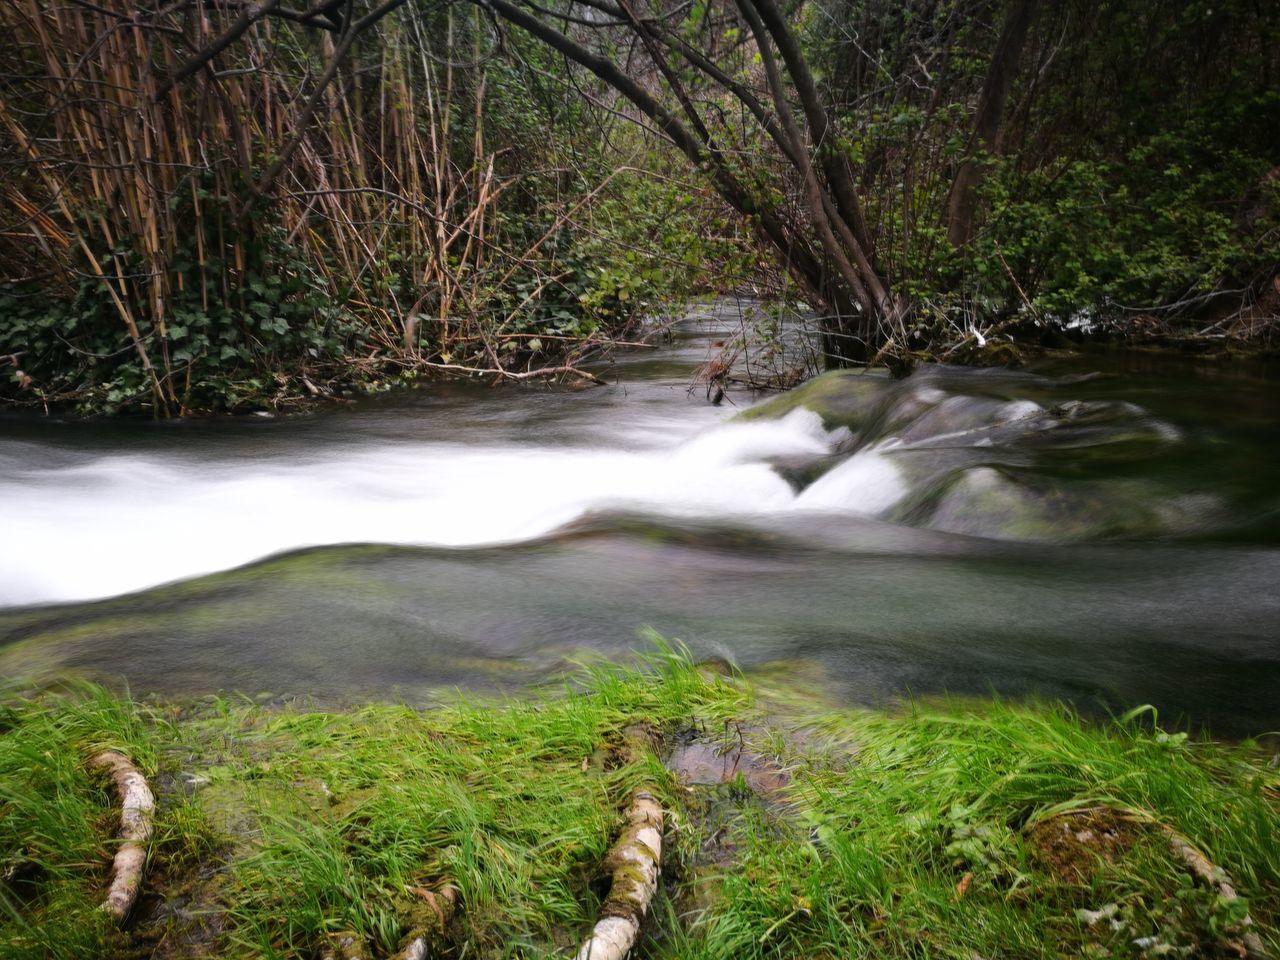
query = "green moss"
{"x": 842, "y": 398}
{"x": 925, "y": 842}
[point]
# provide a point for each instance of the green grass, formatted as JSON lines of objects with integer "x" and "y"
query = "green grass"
{"x": 874, "y": 845}
{"x": 491, "y": 797}
{"x": 55, "y": 823}
{"x": 303, "y": 825}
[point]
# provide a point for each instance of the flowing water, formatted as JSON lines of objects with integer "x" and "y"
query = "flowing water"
{"x": 1103, "y": 527}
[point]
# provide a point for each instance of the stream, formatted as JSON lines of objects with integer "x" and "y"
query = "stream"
{"x": 1103, "y": 527}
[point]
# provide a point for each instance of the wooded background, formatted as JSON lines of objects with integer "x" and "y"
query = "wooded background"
{"x": 210, "y": 204}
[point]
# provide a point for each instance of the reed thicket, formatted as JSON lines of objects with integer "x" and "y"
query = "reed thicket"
{"x": 247, "y": 234}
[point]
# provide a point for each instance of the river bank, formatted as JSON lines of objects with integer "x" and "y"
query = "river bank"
{"x": 965, "y": 828}
{"x": 590, "y": 362}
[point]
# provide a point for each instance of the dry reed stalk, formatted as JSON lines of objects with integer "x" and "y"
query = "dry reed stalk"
{"x": 117, "y": 165}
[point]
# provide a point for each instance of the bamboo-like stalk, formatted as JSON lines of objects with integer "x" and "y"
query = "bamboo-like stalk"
{"x": 144, "y": 180}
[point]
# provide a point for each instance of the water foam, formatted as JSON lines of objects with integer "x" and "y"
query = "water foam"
{"x": 867, "y": 484}
{"x": 117, "y": 523}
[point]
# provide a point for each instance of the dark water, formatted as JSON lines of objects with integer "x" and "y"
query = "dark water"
{"x": 1103, "y": 527}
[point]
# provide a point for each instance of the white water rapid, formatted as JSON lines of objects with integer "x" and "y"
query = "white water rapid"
{"x": 114, "y": 523}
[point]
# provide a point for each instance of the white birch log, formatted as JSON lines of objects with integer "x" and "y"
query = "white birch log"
{"x": 635, "y": 861}
{"x": 1212, "y": 875}
{"x": 137, "y": 806}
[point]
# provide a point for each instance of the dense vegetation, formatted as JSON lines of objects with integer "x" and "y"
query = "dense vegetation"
{"x": 175, "y": 246}
{"x": 211, "y": 205}
{"x": 952, "y": 830}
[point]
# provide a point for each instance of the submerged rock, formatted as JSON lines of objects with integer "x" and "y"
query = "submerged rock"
{"x": 988, "y": 502}
{"x": 983, "y": 453}
{"x": 842, "y": 398}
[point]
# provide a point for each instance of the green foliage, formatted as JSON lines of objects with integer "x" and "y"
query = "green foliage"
{"x": 1135, "y": 163}
{"x": 645, "y": 243}
{"x": 1163, "y": 222}
{"x": 657, "y": 239}
{"x": 242, "y": 303}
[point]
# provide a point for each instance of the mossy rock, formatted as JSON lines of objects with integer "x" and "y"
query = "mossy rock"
{"x": 842, "y": 398}
{"x": 988, "y": 502}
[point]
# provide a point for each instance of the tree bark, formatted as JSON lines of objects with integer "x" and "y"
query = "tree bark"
{"x": 821, "y": 210}
{"x": 834, "y": 165}
{"x": 137, "y": 804}
{"x": 636, "y": 862}
{"x": 801, "y": 260}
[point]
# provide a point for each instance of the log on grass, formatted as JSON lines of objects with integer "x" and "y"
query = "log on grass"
{"x": 137, "y": 807}
{"x": 1213, "y": 876}
{"x": 634, "y": 861}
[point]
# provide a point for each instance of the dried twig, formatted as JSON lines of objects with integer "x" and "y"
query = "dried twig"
{"x": 538, "y": 373}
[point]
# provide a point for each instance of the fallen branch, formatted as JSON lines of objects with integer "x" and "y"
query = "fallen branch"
{"x": 538, "y": 374}
{"x": 635, "y": 861}
{"x": 424, "y": 937}
{"x": 137, "y": 804}
{"x": 1212, "y": 875}
{"x": 1197, "y": 864}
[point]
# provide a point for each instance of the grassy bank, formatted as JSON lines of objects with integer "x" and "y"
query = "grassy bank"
{"x": 958, "y": 830}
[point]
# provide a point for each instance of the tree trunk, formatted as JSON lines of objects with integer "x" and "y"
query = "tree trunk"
{"x": 962, "y": 203}
{"x": 832, "y": 290}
